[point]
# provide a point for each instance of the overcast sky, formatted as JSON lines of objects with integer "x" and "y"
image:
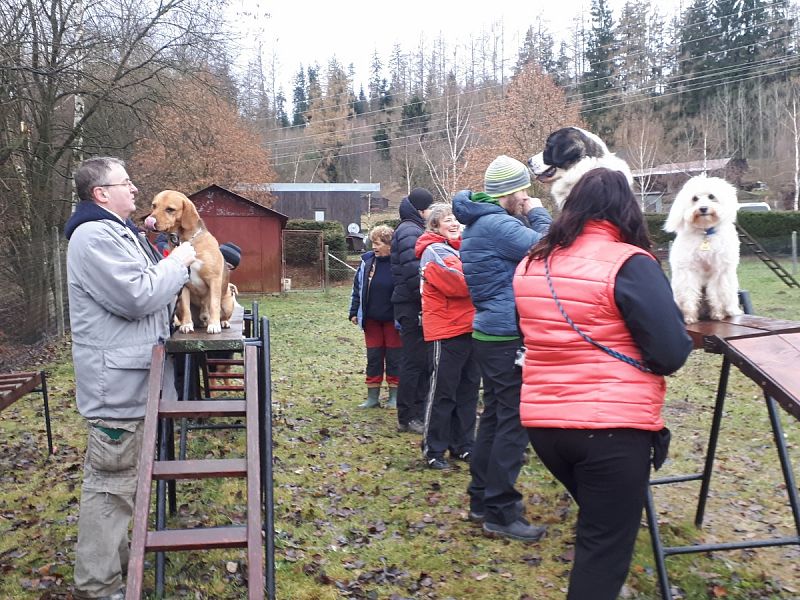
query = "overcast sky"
{"x": 314, "y": 31}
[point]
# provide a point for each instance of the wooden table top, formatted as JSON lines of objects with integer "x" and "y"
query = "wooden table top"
{"x": 766, "y": 350}
{"x": 200, "y": 341}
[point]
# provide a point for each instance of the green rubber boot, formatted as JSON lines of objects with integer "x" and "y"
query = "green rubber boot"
{"x": 392, "y": 403}
{"x": 372, "y": 398}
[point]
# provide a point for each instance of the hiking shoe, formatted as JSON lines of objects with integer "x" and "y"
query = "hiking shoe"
{"x": 438, "y": 463}
{"x": 415, "y": 426}
{"x": 518, "y": 530}
{"x": 402, "y": 427}
{"x": 478, "y": 516}
{"x": 465, "y": 456}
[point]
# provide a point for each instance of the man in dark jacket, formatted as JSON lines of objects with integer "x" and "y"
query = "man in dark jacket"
{"x": 494, "y": 242}
{"x": 414, "y": 374}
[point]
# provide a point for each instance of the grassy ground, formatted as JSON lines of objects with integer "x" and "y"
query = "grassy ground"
{"x": 358, "y": 515}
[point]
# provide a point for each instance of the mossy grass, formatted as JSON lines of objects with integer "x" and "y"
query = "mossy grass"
{"x": 358, "y": 515}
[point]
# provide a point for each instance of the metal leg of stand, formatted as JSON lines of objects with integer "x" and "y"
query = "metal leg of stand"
{"x": 786, "y": 464}
{"x": 185, "y": 391}
{"x": 43, "y": 376}
{"x": 161, "y": 516}
{"x": 712, "y": 440}
{"x": 658, "y": 547}
{"x": 266, "y": 460}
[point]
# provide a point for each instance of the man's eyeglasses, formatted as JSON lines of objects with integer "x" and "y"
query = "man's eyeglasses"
{"x": 127, "y": 182}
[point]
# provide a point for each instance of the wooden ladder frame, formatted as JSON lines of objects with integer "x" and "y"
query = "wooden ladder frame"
{"x": 249, "y": 535}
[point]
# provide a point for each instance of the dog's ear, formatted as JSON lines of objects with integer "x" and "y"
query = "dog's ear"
{"x": 190, "y": 218}
{"x": 565, "y": 147}
{"x": 675, "y": 216}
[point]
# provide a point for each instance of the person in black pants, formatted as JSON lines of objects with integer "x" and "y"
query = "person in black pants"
{"x": 494, "y": 242}
{"x": 593, "y": 406}
{"x": 414, "y": 372}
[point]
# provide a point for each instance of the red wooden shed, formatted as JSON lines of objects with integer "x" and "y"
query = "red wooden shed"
{"x": 254, "y": 228}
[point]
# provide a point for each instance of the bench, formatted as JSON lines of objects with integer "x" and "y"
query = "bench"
{"x": 14, "y": 386}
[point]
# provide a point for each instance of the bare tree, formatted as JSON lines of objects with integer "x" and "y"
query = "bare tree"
{"x": 448, "y": 160}
{"x": 109, "y": 59}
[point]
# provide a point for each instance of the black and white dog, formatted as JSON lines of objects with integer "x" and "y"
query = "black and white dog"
{"x": 569, "y": 153}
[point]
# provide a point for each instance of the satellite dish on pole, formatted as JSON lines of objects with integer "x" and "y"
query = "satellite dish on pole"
{"x": 353, "y": 228}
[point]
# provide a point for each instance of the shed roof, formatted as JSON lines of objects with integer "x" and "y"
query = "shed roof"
{"x": 259, "y": 207}
{"x": 308, "y": 187}
{"x": 693, "y": 166}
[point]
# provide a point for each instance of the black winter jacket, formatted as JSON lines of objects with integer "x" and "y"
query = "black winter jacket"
{"x": 405, "y": 264}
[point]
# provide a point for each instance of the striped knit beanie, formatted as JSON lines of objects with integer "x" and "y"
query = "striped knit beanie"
{"x": 505, "y": 176}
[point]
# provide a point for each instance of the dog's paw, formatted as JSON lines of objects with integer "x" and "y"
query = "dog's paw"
{"x": 225, "y": 324}
{"x": 186, "y": 328}
{"x": 689, "y": 319}
{"x": 214, "y": 328}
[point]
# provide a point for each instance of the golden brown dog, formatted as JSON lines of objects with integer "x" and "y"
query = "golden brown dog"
{"x": 207, "y": 289}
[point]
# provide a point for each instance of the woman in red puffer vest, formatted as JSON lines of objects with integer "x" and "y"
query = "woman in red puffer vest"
{"x": 601, "y": 330}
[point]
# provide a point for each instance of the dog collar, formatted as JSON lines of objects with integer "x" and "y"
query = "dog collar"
{"x": 176, "y": 241}
{"x": 710, "y": 231}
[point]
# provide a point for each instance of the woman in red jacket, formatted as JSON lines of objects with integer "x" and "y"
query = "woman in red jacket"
{"x": 601, "y": 330}
{"x": 447, "y": 313}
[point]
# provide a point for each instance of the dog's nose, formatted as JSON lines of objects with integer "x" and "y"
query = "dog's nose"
{"x": 703, "y": 210}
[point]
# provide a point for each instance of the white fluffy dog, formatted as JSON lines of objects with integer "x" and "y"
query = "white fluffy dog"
{"x": 568, "y": 154}
{"x": 705, "y": 254}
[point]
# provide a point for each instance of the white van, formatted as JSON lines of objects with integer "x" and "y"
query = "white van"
{"x": 754, "y": 206}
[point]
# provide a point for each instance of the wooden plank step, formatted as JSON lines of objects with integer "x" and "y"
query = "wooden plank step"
{"x": 196, "y": 539}
{"x": 225, "y": 388}
{"x": 201, "y": 408}
{"x": 200, "y": 469}
{"x": 225, "y": 375}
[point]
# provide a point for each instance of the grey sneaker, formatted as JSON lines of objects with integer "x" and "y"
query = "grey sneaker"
{"x": 518, "y": 530}
{"x": 118, "y": 595}
{"x": 415, "y": 426}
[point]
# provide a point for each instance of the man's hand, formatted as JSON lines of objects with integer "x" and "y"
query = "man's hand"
{"x": 354, "y": 320}
{"x": 184, "y": 254}
{"x": 531, "y": 203}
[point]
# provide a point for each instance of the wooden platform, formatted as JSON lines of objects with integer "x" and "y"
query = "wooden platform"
{"x": 766, "y": 350}
{"x": 200, "y": 341}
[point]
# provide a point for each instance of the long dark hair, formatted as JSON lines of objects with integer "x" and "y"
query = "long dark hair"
{"x": 600, "y": 195}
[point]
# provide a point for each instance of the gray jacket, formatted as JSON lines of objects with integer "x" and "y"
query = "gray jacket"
{"x": 120, "y": 305}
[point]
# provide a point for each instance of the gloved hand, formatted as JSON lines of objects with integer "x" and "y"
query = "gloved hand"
{"x": 184, "y": 254}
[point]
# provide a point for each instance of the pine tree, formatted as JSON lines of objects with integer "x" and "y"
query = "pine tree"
{"x": 300, "y": 99}
{"x": 699, "y": 35}
{"x": 598, "y": 82}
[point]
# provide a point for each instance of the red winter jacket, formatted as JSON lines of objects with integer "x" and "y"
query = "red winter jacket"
{"x": 447, "y": 309}
{"x": 568, "y": 382}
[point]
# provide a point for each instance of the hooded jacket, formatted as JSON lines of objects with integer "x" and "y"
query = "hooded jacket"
{"x": 362, "y": 287}
{"x": 447, "y": 309}
{"x": 405, "y": 264}
{"x": 493, "y": 244}
{"x": 120, "y": 305}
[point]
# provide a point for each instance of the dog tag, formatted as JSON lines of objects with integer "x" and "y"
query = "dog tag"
{"x": 706, "y": 245}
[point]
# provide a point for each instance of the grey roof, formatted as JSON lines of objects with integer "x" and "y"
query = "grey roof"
{"x": 308, "y": 187}
{"x": 693, "y": 166}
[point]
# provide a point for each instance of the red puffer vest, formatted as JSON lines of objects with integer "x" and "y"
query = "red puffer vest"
{"x": 568, "y": 382}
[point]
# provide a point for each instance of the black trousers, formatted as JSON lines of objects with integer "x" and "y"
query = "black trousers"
{"x": 414, "y": 374}
{"x": 452, "y": 403}
{"x": 607, "y": 473}
{"x": 500, "y": 445}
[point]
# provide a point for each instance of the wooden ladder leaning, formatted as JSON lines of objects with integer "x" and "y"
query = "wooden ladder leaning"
{"x": 240, "y": 536}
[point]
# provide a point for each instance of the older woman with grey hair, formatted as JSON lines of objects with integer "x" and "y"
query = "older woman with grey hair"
{"x": 447, "y": 312}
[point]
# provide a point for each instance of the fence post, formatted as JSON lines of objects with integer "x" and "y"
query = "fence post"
{"x": 59, "y": 284}
{"x": 794, "y": 253}
{"x": 326, "y": 280}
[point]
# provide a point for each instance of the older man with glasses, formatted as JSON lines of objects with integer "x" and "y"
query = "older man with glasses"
{"x": 120, "y": 297}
